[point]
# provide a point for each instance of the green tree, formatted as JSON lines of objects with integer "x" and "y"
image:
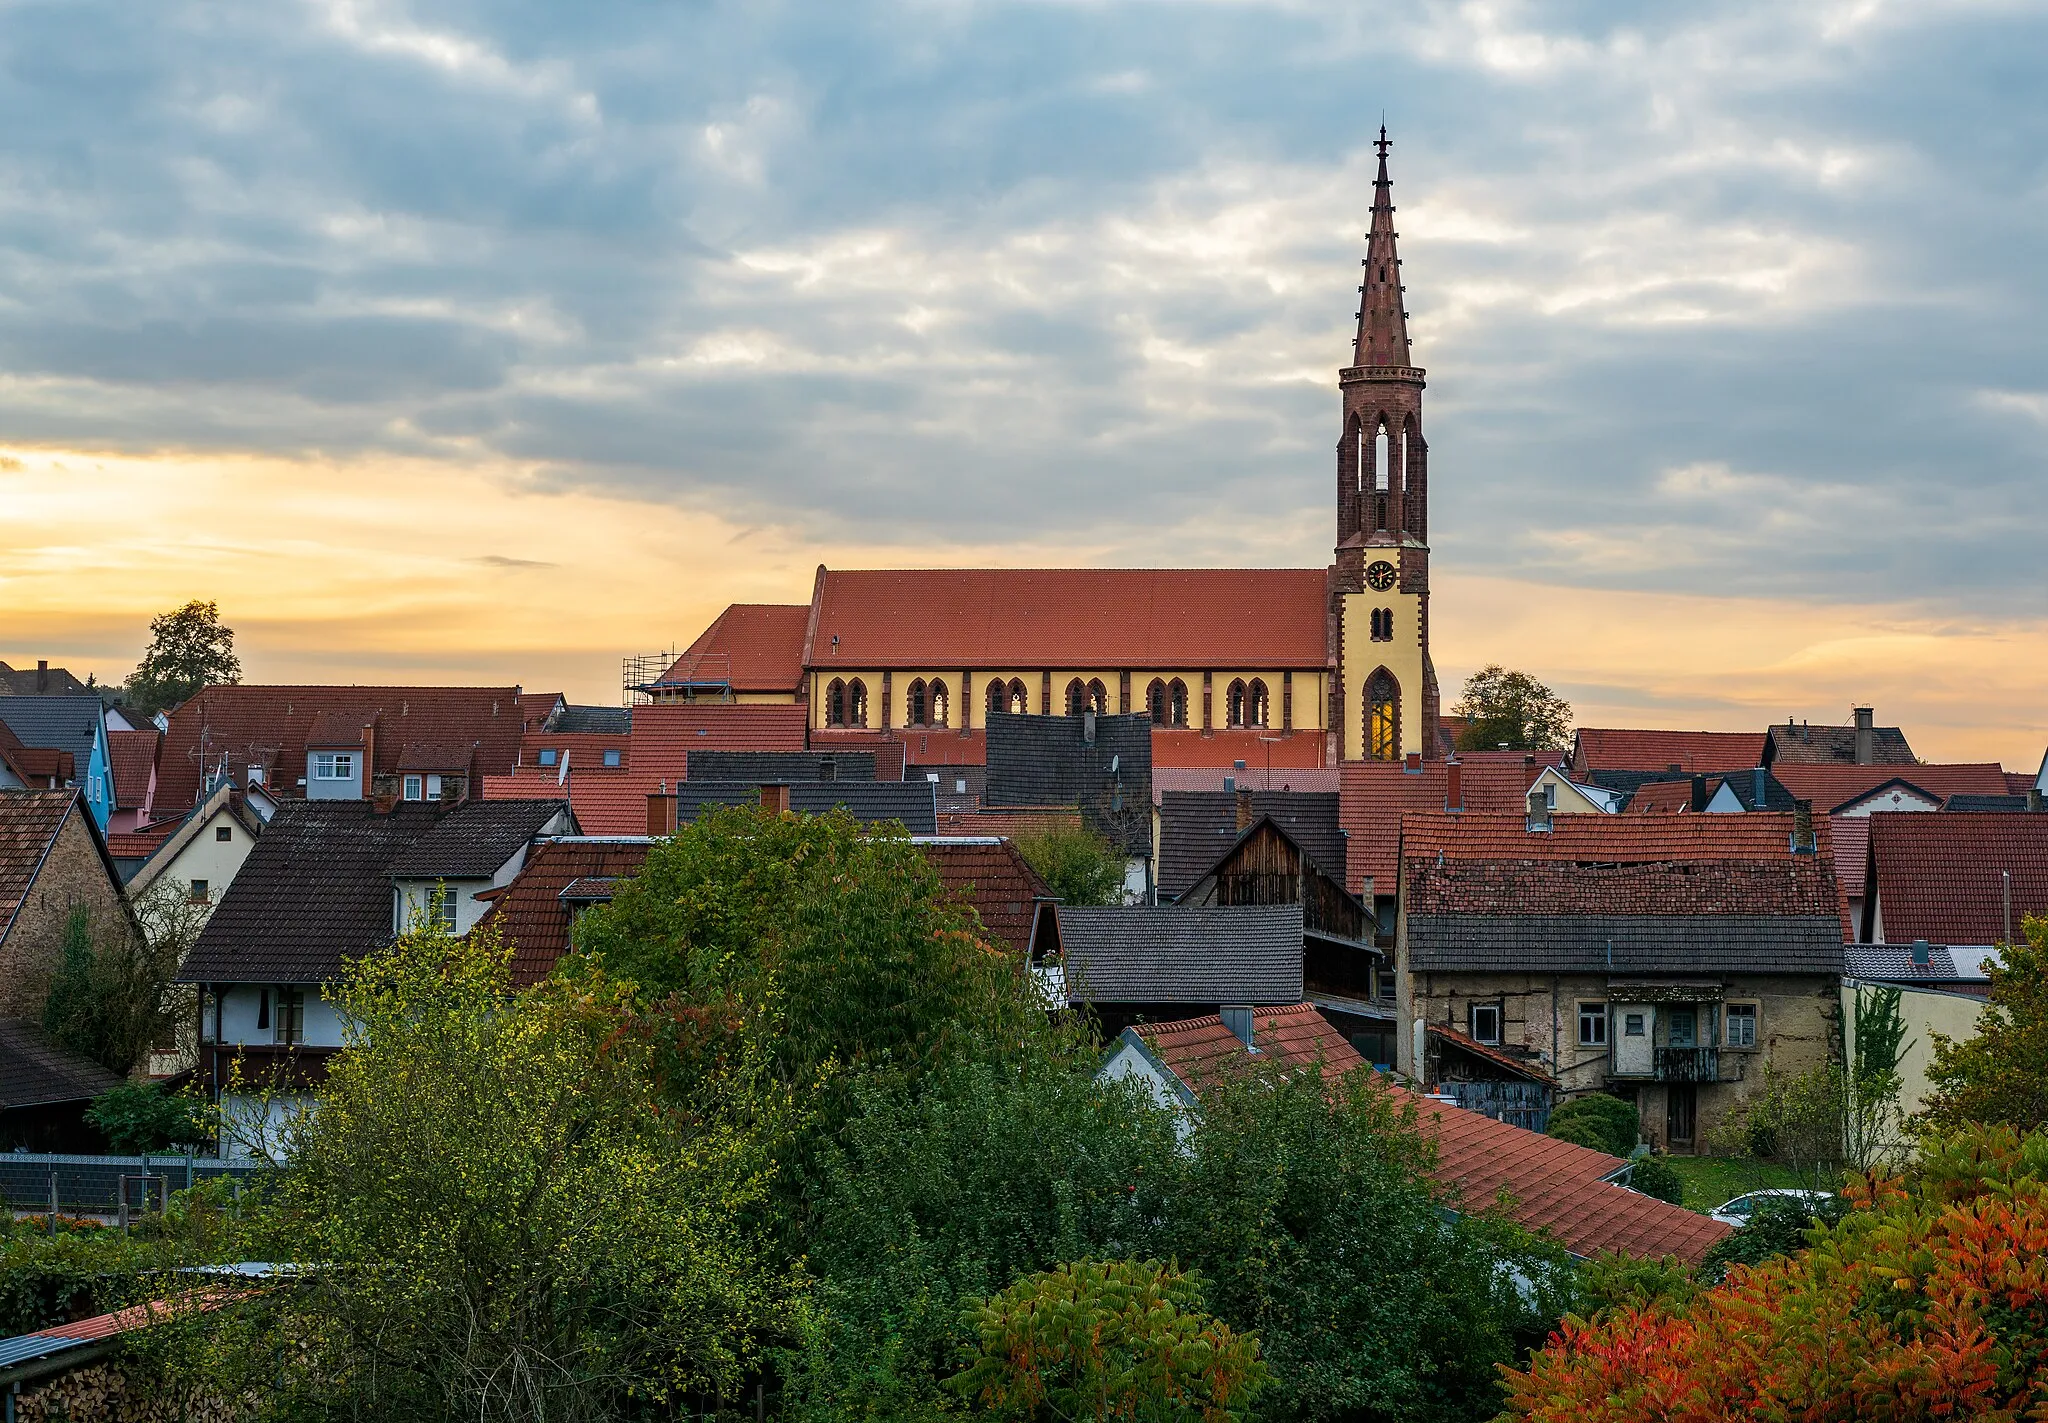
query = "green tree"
{"x": 1100, "y": 1340}
{"x": 141, "y": 1116}
{"x": 1654, "y": 1176}
{"x": 1078, "y": 865}
{"x": 110, "y": 996}
{"x": 1599, "y": 1120}
{"x": 2000, "y": 1076}
{"x": 1798, "y": 1120}
{"x": 189, "y": 648}
{"x": 514, "y": 1215}
{"x": 1512, "y": 709}
{"x": 1871, "y": 1087}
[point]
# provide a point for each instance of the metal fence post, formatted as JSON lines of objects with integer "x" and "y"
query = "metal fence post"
{"x": 53, "y": 1198}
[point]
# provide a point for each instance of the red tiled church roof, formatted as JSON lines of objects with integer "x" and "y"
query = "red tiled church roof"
{"x": 756, "y": 647}
{"x": 1553, "y": 1186}
{"x": 1304, "y": 750}
{"x": 1071, "y": 617}
{"x": 1940, "y": 874}
{"x": 1611, "y": 749}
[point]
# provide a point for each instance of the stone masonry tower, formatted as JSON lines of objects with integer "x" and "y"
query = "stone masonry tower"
{"x": 1384, "y": 700}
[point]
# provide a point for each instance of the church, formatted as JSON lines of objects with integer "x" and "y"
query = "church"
{"x": 1288, "y": 667}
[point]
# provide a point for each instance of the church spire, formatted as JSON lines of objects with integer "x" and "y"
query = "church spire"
{"x": 1382, "y": 324}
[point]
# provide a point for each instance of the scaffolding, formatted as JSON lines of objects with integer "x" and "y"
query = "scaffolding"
{"x": 638, "y": 673}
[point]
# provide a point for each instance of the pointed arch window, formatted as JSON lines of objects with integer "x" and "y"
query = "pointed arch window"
{"x": 937, "y": 700}
{"x": 1383, "y": 717}
{"x": 1233, "y": 704}
{"x": 914, "y": 704}
{"x": 1177, "y": 703}
{"x": 1155, "y": 702}
{"x": 1077, "y": 697}
{"x": 1382, "y": 457}
{"x": 1019, "y": 701}
{"x": 835, "y": 703}
{"x": 1098, "y": 697}
{"x": 1382, "y": 624}
{"x": 856, "y": 703}
{"x": 998, "y": 698}
{"x": 1255, "y": 702}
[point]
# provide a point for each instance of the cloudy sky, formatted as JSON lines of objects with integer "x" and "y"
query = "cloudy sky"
{"x": 466, "y": 340}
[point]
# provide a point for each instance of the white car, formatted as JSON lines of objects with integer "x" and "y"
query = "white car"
{"x": 1738, "y": 1211}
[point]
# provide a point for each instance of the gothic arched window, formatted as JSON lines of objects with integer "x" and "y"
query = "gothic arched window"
{"x": 1098, "y": 697}
{"x": 998, "y": 698}
{"x": 835, "y": 703}
{"x": 1382, "y": 458}
{"x": 1383, "y": 717}
{"x": 1077, "y": 697}
{"x": 1177, "y": 703}
{"x": 913, "y": 704}
{"x": 1155, "y": 702}
{"x": 1361, "y": 456}
{"x": 856, "y": 703}
{"x": 1233, "y": 705}
{"x": 1255, "y": 703}
{"x": 937, "y": 699}
{"x": 1018, "y": 701}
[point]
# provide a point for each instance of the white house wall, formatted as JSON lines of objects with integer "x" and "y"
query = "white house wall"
{"x": 241, "y": 1003}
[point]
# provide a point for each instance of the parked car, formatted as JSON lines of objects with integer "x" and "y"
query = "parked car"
{"x": 1738, "y": 1211}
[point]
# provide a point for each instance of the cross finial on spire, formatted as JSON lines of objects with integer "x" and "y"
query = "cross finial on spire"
{"x": 1382, "y": 145}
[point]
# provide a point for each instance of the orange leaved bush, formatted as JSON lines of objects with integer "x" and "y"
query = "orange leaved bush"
{"x": 1928, "y": 1301}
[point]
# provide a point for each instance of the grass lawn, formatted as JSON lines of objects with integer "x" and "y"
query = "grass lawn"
{"x": 1711, "y": 1180}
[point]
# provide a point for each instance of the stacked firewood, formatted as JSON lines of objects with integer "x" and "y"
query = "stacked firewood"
{"x": 107, "y": 1393}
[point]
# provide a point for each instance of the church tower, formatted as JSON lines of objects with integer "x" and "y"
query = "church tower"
{"x": 1383, "y": 700}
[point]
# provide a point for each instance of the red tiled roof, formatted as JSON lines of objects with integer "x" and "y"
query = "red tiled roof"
{"x": 134, "y": 760}
{"x": 1608, "y": 839}
{"x": 1684, "y": 886}
{"x": 756, "y": 647}
{"x": 1852, "y": 861}
{"x": 1072, "y": 617}
{"x": 586, "y": 749}
{"x": 1554, "y": 1186}
{"x": 1609, "y": 749}
{"x": 1374, "y": 795}
{"x": 530, "y": 913}
{"x": 1833, "y": 787}
{"x": 1661, "y": 798}
{"x": 29, "y": 822}
{"x": 937, "y": 748}
{"x": 1494, "y": 1055}
{"x": 1302, "y": 750}
{"x": 270, "y": 725}
{"x": 1939, "y": 873}
{"x": 340, "y": 728}
{"x": 140, "y": 844}
{"x": 666, "y": 733}
{"x": 1008, "y": 823}
{"x": 1004, "y": 890}
{"x": 1321, "y": 779}
{"x": 2018, "y": 782}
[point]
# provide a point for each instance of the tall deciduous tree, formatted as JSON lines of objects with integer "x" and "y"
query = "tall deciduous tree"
{"x": 2001, "y": 1074}
{"x": 1512, "y": 709}
{"x": 1076, "y": 864}
{"x": 189, "y": 648}
{"x": 111, "y": 996}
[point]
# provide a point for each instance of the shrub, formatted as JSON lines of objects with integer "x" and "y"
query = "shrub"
{"x": 1654, "y": 1177}
{"x": 1616, "y": 1122}
{"x": 140, "y": 1116}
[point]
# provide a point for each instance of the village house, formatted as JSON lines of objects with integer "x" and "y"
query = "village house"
{"x": 1664, "y": 959}
{"x": 77, "y": 728}
{"x": 53, "y": 864}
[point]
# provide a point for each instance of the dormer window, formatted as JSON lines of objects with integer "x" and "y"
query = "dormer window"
{"x": 415, "y": 787}
{"x": 334, "y": 766}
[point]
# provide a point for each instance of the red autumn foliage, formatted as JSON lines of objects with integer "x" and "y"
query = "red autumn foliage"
{"x": 1929, "y": 1301}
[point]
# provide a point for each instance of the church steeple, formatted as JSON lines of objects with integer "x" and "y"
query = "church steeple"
{"x": 1382, "y": 324}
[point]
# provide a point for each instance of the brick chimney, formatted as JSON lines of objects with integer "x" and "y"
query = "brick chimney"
{"x": 1866, "y": 734}
{"x": 1454, "y": 785}
{"x": 1244, "y": 808}
{"x": 1538, "y": 821}
{"x": 1699, "y": 792}
{"x": 1803, "y": 841}
{"x": 661, "y": 812}
{"x": 42, "y": 675}
{"x": 775, "y": 799}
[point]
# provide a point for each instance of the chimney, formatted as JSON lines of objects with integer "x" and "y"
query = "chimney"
{"x": 42, "y": 675}
{"x": 1539, "y": 812}
{"x": 1088, "y": 726}
{"x": 2033, "y": 797}
{"x": 1529, "y": 771}
{"x": 1239, "y": 1021}
{"x": 1365, "y": 892}
{"x": 1454, "y": 785}
{"x": 1803, "y": 842}
{"x": 1244, "y": 808}
{"x": 1866, "y": 735}
{"x": 1412, "y": 763}
{"x": 1699, "y": 792}
{"x": 1921, "y": 957}
{"x": 775, "y": 799}
{"x": 1756, "y": 789}
{"x": 369, "y": 755}
{"x": 661, "y": 813}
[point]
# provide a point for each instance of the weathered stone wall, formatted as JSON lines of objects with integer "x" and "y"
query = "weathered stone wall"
{"x": 73, "y": 874}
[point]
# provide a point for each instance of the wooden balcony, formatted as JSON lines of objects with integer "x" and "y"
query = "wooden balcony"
{"x": 291, "y": 1066}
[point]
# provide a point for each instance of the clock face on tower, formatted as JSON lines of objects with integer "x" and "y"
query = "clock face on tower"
{"x": 1380, "y": 577}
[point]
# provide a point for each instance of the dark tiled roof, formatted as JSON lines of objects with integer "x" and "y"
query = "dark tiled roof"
{"x": 436, "y": 756}
{"x": 1197, "y": 827}
{"x": 871, "y": 802}
{"x": 1613, "y": 749}
{"x": 315, "y": 892}
{"x": 268, "y": 725}
{"x": 36, "y": 1072}
{"x": 1004, "y": 891}
{"x": 475, "y": 839}
{"x": 1595, "y": 943}
{"x": 1835, "y": 745}
{"x": 754, "y": 647}
{"x": 598, "y": 721}
{"x": 760, "y": 766}
{"x": 534, "y": 911}
{"x": 60, "y": 723}
{"x": 134, "y": 757}
{"x": 1045, "y": 760}
{"x": 1940, "y": 873}
{"x": 1071, "y": 617}
{"x": 1893, "y": 963}
{"x": 1743, "y": 786}
{"x": 1985, "y": 802}
{"x": 1167, "y": 954}
{"x": 29, "y": 822}
{"x": 55, "y": 682}
{"x": 583, "y": 750}
{"x": 1552, "y": 1186}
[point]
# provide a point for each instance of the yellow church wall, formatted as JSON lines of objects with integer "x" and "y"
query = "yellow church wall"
{"x": 1311, "y": 692}
{"x": 1402, "y": 657}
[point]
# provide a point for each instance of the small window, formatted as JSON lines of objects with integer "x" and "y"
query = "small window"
{"x": 548, "y": 756}
{"x": 1486, "y": 1022}
{"x": 433, "y": 787}
{"x": 441, "y": 911}
{"x": 959, "y": 786}
{"x": 263, "y": 1010}
{"x": 1632, "y": 1025}
{"x": 1593, "y": 1025}
{"x": 291, "y": 1017}
{"x": 1386, "y": 984}
{"x": 201, "y": 892}
{"x": 415, "y": 787}
{"x": 1742, "y": 1025}
{"x": 1684, "y": 1021}
{"x": 224, "y": 833}
{"x": 334, "y": 766}
{"x": 614, "y": 757}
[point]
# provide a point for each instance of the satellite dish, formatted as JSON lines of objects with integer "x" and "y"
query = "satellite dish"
{"x": 1113, "y": 763}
